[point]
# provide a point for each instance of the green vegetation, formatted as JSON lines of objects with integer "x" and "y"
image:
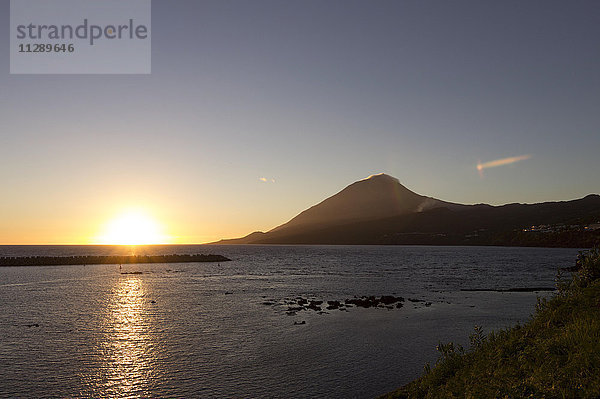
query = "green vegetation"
{"x": 554, "y": 355}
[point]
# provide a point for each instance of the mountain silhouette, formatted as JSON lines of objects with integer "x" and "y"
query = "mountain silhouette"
{"x": 376, "y": 197}
{"x": 380, "y": 210}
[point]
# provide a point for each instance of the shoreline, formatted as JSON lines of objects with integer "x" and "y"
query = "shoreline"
{"x": 555, "y": 354}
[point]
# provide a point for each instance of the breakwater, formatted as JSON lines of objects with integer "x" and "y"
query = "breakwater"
{"x": 100, "y": 260}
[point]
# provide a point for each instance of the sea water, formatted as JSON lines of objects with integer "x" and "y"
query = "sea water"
{"x": 224, "y": 330}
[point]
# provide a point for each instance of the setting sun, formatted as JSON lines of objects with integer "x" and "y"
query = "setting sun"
{"x": 133, "y": 228}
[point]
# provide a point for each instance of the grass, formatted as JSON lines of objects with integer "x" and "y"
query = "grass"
{"x": 556, "y": 354}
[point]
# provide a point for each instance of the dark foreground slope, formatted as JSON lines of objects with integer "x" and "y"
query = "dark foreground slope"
{"x": 555, "y": 355}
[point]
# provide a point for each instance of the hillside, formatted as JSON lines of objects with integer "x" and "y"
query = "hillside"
{"x": 555, "y": 355}
{"x": 379, "y": 210}
{"x": 376, "y": 197}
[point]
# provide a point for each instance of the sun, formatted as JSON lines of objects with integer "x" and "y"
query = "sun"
{"x": 133, "y": 228}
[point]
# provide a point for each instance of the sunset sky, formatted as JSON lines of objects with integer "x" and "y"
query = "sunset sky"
{"x": 256, "y": 110}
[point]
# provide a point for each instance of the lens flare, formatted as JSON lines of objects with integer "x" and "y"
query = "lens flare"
{"x": 501, "y": 162}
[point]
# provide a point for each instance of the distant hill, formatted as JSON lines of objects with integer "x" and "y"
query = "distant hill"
{"x": 376, "y": 197}
{"x": 380, "y": 210}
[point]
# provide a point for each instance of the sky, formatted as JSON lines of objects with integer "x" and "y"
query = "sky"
{"x": 257, "y": 110}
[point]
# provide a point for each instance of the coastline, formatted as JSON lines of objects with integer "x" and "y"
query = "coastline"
{"x": 555, "y": 354}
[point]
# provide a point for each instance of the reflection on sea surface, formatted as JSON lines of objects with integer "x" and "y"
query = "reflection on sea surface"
{"x": 129, "y": 345}
{"x": 92, "y": 332}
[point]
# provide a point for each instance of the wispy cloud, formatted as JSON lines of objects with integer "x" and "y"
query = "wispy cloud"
{"x": 500, "y": 162}
{"x": 265, "y": 180}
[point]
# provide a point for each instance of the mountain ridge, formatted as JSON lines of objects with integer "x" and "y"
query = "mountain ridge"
{"x": 380, "y": 210}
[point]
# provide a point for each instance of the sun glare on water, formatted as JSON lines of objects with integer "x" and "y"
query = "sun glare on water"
{"x": 133, "y": 228}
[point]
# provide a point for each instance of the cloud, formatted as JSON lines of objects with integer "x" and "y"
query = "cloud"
{"x": 501, "y": 162}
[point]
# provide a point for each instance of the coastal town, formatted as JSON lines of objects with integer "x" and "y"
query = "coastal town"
{"x": 558, "y": 228}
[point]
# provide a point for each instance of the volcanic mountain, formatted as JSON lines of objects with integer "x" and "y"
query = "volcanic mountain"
{"x": 376, "y": 197}
{"x": 380, "y": 210}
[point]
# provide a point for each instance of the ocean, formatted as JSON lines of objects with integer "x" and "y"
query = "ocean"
{"x": 215, "y": 330}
